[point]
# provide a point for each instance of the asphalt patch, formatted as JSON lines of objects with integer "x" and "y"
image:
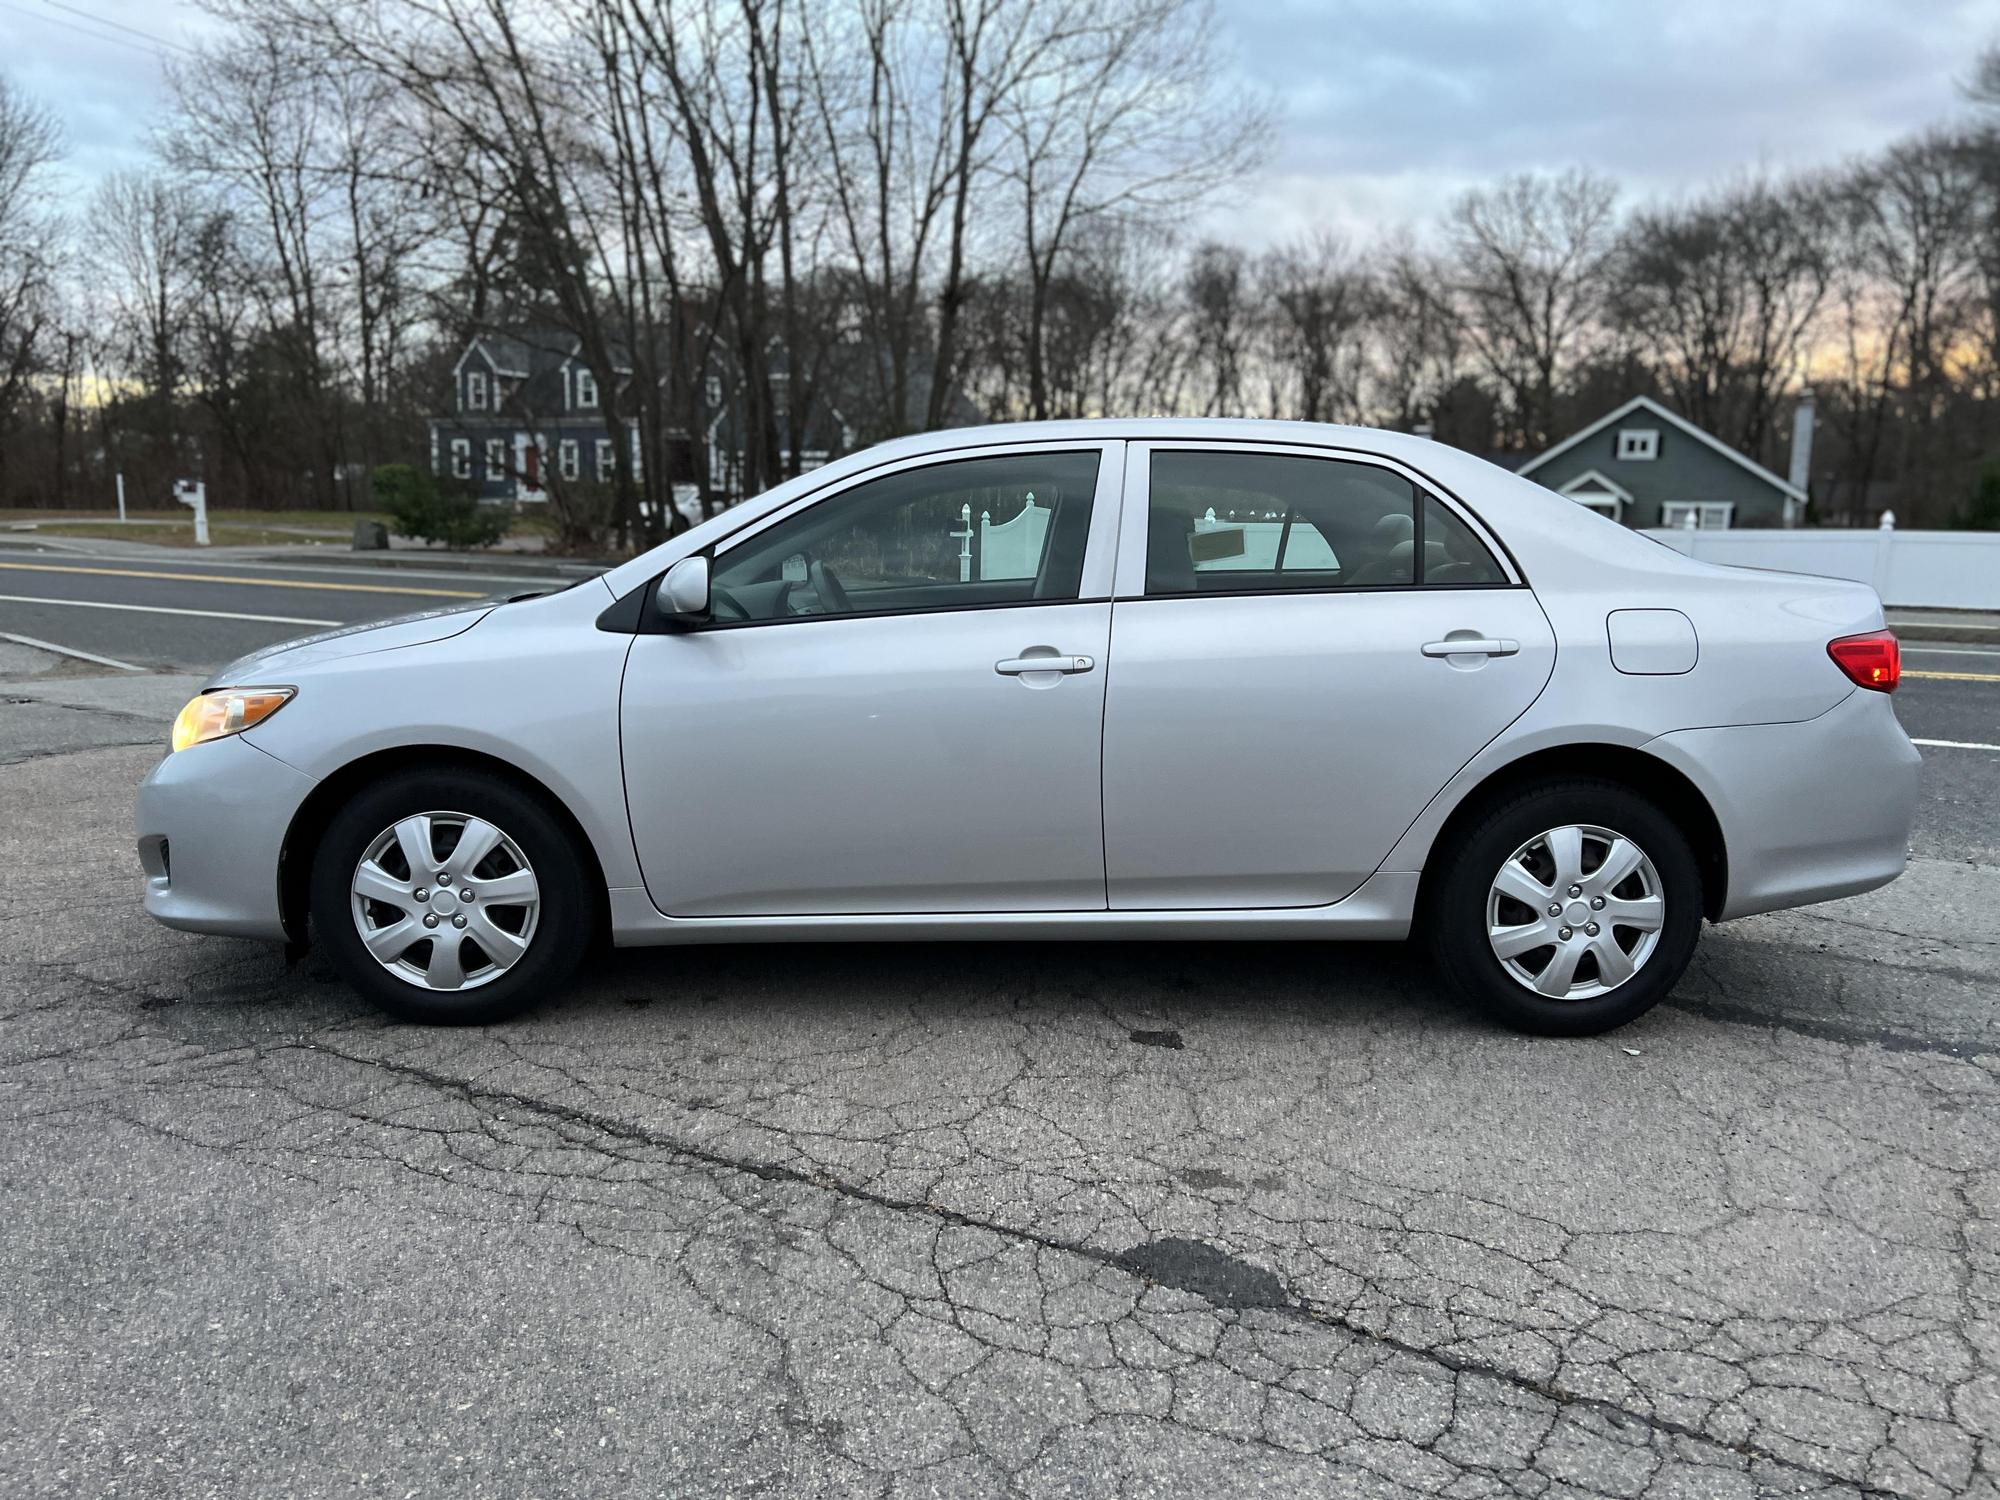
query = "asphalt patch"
{"x": 1209, "y": 1273}
{"x": 1170, "y": 1039}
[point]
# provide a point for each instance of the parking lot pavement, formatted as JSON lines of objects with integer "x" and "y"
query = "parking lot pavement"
{"x": 1097, "y": 1219}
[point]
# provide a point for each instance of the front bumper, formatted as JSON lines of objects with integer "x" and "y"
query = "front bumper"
{"x": 1810, "y": 811}
{"x": 212, "y": 821}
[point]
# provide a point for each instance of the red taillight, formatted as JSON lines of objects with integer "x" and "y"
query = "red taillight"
{"x": 1871, "y": 661}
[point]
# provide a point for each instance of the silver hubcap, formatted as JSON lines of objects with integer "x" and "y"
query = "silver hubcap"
{"x": 1575, "y": 912}
{"x": 445, "y": 901}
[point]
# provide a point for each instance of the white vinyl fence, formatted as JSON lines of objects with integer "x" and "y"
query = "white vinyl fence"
{"x": 1915, "y": 569}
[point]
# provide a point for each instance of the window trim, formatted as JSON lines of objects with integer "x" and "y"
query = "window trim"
{"x": 569, "y": 460}
{"x": 461, "y": 458}
{"x": 1100, "y": 540}
{"x": 475, "y": 390}
{"x": 1650, "y": 445}
{"x": 586, "y": 382}
{"x": 1130, "y": 584}
{"x": 496, "y": 458}
{"x": 1700, "y": 508}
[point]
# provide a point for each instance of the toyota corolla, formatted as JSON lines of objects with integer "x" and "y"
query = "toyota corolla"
{"x": 1133, "y": 680}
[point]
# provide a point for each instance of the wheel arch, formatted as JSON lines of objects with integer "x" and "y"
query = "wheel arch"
{"x": 1646, "y": 774}
{"x": 313, "y": 815}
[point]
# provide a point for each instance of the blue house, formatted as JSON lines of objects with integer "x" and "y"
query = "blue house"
{"x": 1645, "y": 465}
{"x": 528, "y": 415}
{"x": 527, "y": 412}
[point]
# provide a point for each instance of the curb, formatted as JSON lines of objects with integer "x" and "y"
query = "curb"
{"x": 1970, "y": 634}
{"x": 440, "y": 562}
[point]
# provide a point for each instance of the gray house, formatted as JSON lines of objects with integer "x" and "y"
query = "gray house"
{"x": 1645, "y": 466}
{"x": 527, "y": 411}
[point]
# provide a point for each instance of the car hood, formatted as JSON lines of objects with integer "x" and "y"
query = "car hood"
{"x": 275, "y": 663}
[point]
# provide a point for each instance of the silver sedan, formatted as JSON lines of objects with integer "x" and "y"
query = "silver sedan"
{"x": 1135, "y": 679}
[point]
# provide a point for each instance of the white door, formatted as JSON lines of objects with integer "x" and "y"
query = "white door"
{"x": 875, "y": 723}
{"x": 1284, "y": 698}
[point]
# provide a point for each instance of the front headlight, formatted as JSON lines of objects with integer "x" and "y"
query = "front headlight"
{"x": 227, "y": 711}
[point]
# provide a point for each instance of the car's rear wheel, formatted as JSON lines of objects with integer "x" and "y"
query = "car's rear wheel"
{"x": 1566, "y": 908}
{"x": 450, "y": 896}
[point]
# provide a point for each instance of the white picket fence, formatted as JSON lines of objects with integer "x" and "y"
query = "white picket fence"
{"x": 1009, "y": 549}
{"x": 1914, "y": 569}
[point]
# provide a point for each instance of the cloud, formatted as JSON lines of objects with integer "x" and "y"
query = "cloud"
{"x": 104, "y": 84}
{"x": 1388, "y": 110}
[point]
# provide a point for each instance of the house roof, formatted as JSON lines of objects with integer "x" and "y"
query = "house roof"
{"x": 1592, "y": 482}
{"x": 1648, "y": 404}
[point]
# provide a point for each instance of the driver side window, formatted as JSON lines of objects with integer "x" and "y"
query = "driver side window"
{"x": 962, "y": 535}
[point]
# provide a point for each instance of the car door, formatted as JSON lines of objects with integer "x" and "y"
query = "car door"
{"x": 898, "y": 705}
{"x": 1285, "y": 695}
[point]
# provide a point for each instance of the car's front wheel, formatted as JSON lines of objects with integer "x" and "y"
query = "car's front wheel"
{"x": 450, "y": 896}
{"x": 1567, "y": 908}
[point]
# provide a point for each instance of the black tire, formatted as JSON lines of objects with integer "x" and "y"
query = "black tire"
{"x": 1455, "y": 919}
{"x": 563, "y": 922}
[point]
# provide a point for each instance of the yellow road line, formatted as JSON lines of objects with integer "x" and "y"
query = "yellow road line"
{"x": 1956, "y": 676}
{"x": 268, "y": 583}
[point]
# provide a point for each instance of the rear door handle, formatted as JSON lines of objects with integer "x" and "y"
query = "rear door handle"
{"x": 1014, "y": 666}
{"x": 1472, "y": 646}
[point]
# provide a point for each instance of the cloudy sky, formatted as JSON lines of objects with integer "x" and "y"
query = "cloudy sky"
{"x": 1386, "y": 108}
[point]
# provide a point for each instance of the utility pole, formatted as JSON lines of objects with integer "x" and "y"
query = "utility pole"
{"x": 121, "y": 497}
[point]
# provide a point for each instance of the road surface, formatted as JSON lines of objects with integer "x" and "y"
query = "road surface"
{"x": 1134, "y": 1219}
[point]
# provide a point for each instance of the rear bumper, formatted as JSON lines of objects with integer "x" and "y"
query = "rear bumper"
{"x": 1810, "y": 811}
{"x": 212, "y": 823}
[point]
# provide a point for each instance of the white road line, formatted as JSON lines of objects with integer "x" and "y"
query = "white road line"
{"x": 40, "y": 645}
{"x": 1948, "y": 651}
{"x": 161, "y": 609}
{"x": 1954, "y": 745}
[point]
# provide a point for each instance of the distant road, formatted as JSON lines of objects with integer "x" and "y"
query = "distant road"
{"x": 195, "y": 614}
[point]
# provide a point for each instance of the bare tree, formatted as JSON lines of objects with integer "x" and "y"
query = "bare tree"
{"x": 1221, "y": 319}
{"x": 1526, "y": 262}
{"x": 30, "y": 142}
{"x": 1418, "y": 348}
{"x": 1124, "y": 122}
{"x": 1319, "y": 308}
{"x": 1724, "y": 296}
{"x": 1908, "y": 296}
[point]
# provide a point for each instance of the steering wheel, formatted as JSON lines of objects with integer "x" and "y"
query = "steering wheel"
{"x": 826, "y": 588}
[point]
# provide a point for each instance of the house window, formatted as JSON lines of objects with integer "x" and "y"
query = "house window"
{"x": 604, "y": 459}
{"x": 714, "y": 392}
{"x": 496, "y": 458}
{"x": 1639, "y": 444}
{"x": 461, "y": 458}
{"x": 475, "y": 390}
{"x": 586, "y": 390}
{"x": 566, "y": 457}
{"x": 1704, "y": 515}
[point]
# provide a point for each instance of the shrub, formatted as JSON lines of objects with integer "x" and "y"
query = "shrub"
{"x": 421, "y": 506}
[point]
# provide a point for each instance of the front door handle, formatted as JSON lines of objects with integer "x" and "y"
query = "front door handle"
{"x": 1472, "y": 646}
{"x": 1014, "y": 666}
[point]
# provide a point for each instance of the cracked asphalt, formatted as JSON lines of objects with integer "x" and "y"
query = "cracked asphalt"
{"x": 885, "y": 1220}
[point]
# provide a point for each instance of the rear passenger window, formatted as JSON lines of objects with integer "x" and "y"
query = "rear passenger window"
{"x": 1237, "y": 522}
{"x": 1265, "y": 522}
{"x": 1452, "y": 554}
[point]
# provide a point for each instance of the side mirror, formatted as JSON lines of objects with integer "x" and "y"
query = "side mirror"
{"x": 683, "y": 593}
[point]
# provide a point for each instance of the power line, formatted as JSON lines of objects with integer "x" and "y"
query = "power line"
{"x": 95, "y": 36}
{"x": 119, "y": 25}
